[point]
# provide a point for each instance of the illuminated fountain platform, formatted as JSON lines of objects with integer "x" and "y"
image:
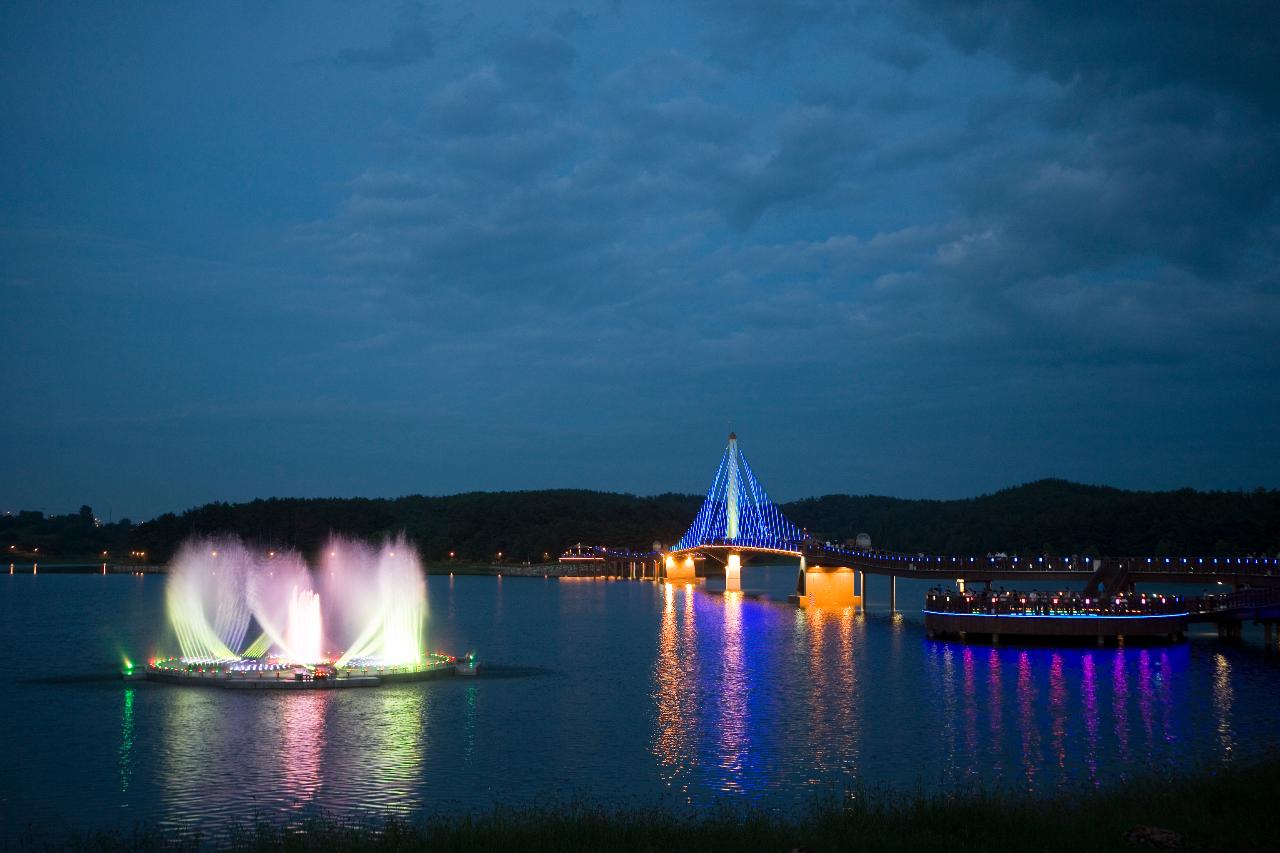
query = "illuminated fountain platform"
{"x": 368, "y": 603}
{"x": 275, "y": 674}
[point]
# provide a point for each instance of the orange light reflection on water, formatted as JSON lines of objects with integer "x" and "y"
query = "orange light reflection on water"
{"x": 1223, "y": 697}
{"x": 833, "y": 742}
{"x": 675, "y": 692}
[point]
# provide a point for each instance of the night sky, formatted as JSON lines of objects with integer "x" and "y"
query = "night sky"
{"x": 925, "y": 249}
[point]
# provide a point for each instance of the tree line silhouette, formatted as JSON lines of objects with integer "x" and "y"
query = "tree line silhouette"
{"x": 1053, "y": 517}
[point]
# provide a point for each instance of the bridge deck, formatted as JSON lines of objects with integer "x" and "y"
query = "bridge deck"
{"x": 1233, "y": 571}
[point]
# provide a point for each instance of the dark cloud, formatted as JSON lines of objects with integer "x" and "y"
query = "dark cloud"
{"x": 902, "y": 53}
{"x": 512, "y": 90}
{"x": 411, "y": 42}
{"x": 858, "y": 232}
{"x": 572, "y": 21}
{"x": 815, "y": 148}
{"x": 747, "y": 30}
{"x": 406, "y": 47}
{"x": 1118, "y": 201}
{"x": 1123, "y": 48}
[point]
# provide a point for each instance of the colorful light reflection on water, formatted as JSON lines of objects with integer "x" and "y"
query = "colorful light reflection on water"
{"x": 620, "y": 693}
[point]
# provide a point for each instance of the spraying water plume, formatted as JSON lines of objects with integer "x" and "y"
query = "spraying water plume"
{"x": 366, "y": 606}
{"x": 206, "y": 598}
{"x": 384, "y": 599}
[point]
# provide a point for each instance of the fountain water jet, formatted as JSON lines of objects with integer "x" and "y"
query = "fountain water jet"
{"x": 303, "y": 637}
{"x": 385, "y": 597}
{"x": 205, "y": 598}
{"x": 358, "y": 621}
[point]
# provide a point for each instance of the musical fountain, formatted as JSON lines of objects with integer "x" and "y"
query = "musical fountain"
{"x": 245, "y": 618}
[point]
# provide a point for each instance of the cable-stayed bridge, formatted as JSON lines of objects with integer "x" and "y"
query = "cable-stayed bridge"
{"x": 738, "y": 521}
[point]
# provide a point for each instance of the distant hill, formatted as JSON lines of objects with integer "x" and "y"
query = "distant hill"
{"x": 1056, "y": 517}
{"x": 1048, "y": 516}
{"x": 475, "y": 525}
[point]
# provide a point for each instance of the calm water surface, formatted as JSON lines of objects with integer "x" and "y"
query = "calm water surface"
{"x": 615, "y": 692}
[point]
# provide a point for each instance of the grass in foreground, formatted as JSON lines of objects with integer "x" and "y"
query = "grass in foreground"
{"x": 1231, "y": 810}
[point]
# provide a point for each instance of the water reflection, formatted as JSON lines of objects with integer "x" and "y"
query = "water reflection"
{"x": 832, "y": 741}
{"x": 1027, "y": 724}
{"x": 469, "y": 745}
{"x": 1037, "y": 717}
{"x": 390, "y": 752}
{"x": 1089, "y": 697}
{"x": 1120, "y": 704}
{"x": 944, "y": 693}
{"x": 1223, "y": 694}
{"x": 725, "y": 700}
{"x": 288, "y": 748}
{"x": 847, "y": 697}
{"x": 1146, "y": 698}
{"x": 126, "y": 740}
{"x": 1058, "y": 709}
{"x": 970, "y": 698}
{"x": 197, "y": 760}
{"x": 675, "y": 694}
{"x": 1164, "y": 697}
{"x": 733, "y": 721}
{"x": 302, "y": 740}
{"x": 995, "y": 705}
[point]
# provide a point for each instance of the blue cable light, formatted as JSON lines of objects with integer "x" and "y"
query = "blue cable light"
{"x": 760, "y": 523}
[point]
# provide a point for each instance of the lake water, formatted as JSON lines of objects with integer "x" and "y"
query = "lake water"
{"x": 614, "y": 692}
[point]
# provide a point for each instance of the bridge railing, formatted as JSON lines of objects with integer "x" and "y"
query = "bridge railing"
{"x": 1245, "y": 599}
{"x": 955, "y": 566}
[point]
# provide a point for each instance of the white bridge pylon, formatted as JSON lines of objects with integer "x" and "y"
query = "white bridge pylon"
{"x": 738, "y": 518}
{"x": 737, "y": 512}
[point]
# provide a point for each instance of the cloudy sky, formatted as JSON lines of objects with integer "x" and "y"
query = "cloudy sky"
{"x": 922, "y": 249}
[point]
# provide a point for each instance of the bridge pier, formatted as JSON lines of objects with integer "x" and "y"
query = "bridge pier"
{"x": 680, "y": 569}
{"x": 733, "y": 573}
{"x": 820, "y": 586}
{"x": 893, "y": 593}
